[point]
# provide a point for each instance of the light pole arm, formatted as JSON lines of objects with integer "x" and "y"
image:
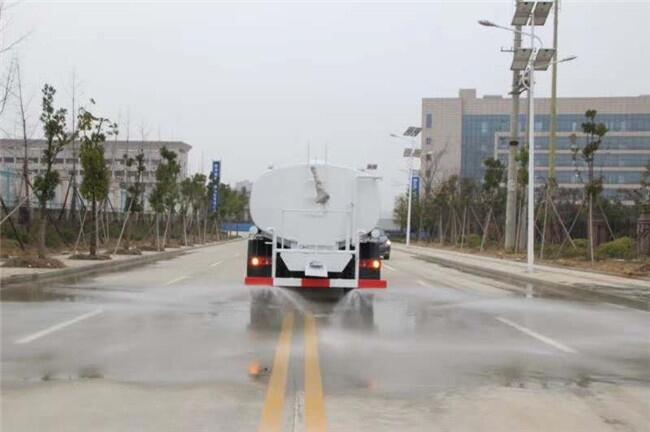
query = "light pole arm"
{"x": 537, "y": 38}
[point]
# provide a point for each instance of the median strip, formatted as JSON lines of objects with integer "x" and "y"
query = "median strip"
{"x": 273, "y": 412}
{"x": 314, "y": 404}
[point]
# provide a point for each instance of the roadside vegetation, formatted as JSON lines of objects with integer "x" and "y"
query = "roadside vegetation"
{"x": 579, "y": 227}
{"x": 88, "y": 226}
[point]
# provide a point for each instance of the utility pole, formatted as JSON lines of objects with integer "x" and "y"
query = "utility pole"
{"x": 75, "y": 193}
{"x": 552, "y": 135}
{"x": 410, "y": 198}
{"x": 511, "y": 198}
{"x": 530, "y": 242}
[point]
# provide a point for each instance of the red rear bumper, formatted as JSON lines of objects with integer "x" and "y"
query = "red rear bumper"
{"x": 316, "y": 283}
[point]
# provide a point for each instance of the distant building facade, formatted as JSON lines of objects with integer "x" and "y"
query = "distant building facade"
{"x": 12, "y": 157}
{"x": 244, "y": 186}
{"x": 466, "y": 130}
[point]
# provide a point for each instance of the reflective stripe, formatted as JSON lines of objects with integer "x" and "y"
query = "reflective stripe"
{"x": 372, "y": 283}
{"x": 315, "y": 283}
{"x": 252, "y": 280}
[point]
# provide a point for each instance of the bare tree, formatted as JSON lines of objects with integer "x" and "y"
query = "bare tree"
{"x": 22, "y": 106}
{"x": 9, "y": 75}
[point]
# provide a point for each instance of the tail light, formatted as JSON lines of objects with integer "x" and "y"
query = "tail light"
{"x": 260, "y": 261}
{"x": 370, "y": 264}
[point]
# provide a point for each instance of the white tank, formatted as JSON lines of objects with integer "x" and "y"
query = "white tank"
{"x": 315, "y": 205}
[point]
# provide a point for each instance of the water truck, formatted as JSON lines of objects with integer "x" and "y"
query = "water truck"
{"x": 314, "y": 227}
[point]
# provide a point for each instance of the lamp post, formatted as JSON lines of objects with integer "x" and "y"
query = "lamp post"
{"x": 529, "y": 60}
{"x": 412, "y": 152}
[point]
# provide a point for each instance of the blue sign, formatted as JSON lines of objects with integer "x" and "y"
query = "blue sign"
{"x": 216, "y": 179}
{"x": 415, "y": 186}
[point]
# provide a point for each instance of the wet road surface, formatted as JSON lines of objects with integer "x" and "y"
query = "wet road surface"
{"x": 171, "y": 346}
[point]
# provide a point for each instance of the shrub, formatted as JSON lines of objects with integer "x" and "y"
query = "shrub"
{"x": 580, "y": 251}
{"x": 623, "y": 248}
{"x": 473, "y": 241}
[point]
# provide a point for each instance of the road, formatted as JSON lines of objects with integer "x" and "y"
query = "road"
{"x": 171, "y": 346}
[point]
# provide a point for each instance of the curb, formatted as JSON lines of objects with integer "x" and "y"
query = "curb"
{"x": 557, "y": 288}
{"x": 101, "y": 267}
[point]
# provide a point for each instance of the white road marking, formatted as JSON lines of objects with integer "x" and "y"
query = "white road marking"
{"x": 390, "y": 267}
{"x": 299, "y": 412}
{"x": 539, "y": 337}
{"x": 617, "y": 306}
{"x": 56, "y": 327}
{"x": 215, "y": 263}
{"x": 178, "y": 279}
{"x": 625, "y": 308}
{"x": 423, "y": 283}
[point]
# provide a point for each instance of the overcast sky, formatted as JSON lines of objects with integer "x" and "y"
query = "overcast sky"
{"x": 256, "y": 83}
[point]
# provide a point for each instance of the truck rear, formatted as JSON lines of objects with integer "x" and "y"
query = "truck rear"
{"x": 315, "y": 228}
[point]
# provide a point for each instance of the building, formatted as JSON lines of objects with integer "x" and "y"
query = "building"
{"x": 460, "y": 133}
{"x": 244, "y": 186}
{"x": 12, "y": 157}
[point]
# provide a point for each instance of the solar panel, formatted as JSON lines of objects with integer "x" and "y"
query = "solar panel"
{"x": 522, "y": 13}
{"x": 521, "y": 58}
{"x": 412, "y": 131}
{"x": 544, "y": 58}
{"x": 542, "y": 10}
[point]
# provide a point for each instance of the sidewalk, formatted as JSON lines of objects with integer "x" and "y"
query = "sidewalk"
{"x": 13, "y": 276}
{"x": 616, "y": 289}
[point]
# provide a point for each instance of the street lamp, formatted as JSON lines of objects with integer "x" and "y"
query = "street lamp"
{"x": 412, "y": 132}
{"x": 529, "y": 60}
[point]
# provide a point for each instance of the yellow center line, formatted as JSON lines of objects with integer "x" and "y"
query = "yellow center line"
{"x": 273, "y": 413}
{"x": 314, "y": 404}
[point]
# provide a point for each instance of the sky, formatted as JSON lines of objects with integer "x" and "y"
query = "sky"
{"x": 270, "y": 83}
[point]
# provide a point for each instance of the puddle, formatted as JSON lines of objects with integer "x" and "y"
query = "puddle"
{"x": 34, "y": 293}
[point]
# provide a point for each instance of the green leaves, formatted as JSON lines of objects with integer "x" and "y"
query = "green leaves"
{"x": 136, "y": 190}
{"x": 594, "y": 133}
{"x": 93, "y": 131}
{"x": 494, "y": 173}
{"x": 56, "y": 137}
{"x": 165, "y": 193}
{"x": 46, "y": 184}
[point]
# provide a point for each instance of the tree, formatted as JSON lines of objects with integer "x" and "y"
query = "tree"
{"x": 492, "y": 180}
{"x": 641, "y": 196}
{"x": 594, "y": 133}
{"x": 231, "y": 203}
{"x": 56, "y": 138}
{"x": 430, "y": 173}
{"x": 134, "y": 193}
{"x": 6, "y": 46}
{"x": 165, "y": 193}
{"x": 96, "y": 178}
{"x": 400, "y": 210}
{"x": 192, "y": 193}
{"x": 23, "y": 107}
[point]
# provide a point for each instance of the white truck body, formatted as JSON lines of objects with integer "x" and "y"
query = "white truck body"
{"x": 315, "y": 216}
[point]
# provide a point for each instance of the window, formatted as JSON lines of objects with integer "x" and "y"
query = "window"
{"x": 429, "y": 121}
{"x": 9, "y": 159}
{"x": 427, "y": 141}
